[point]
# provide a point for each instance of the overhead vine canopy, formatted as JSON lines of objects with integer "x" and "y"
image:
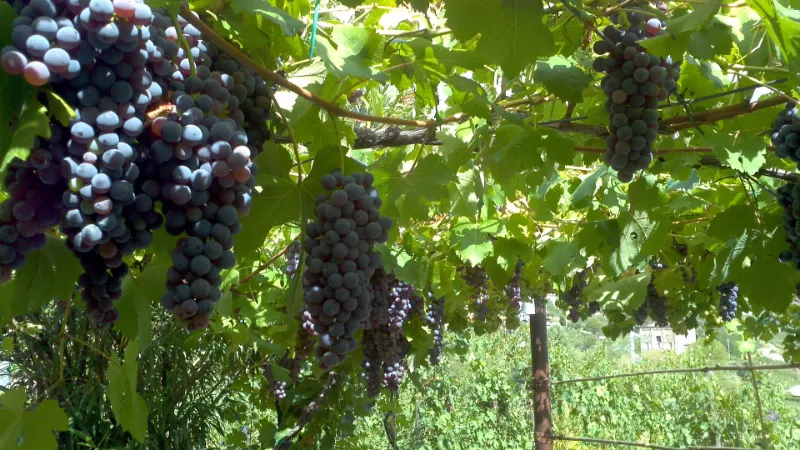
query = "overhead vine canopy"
{"x": 639, "y": 158}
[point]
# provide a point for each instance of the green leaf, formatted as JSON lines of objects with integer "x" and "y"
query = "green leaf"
{"x": 563, "y": 77}
{"x": 470, "y": 96}
{"x": 48, "y": 273}
{"x": 667, "y": 44}
{"x": 625, "y": 293}
{"x": 29, "y": 429}
{"x": 702, "y": 13}
{"x": 472, "y": 239}
{"x": 744, "y": 153}
{"x": 290, "y": 25}
{"x": 709, "y": 42}
{"x": 136, "y": 304}
{"x": 350, "y": 51}
{"x": 60, "y": 109}
{"x": 129, "y": 408}
{"x": 32, "y": 122}
{"x": 775, "y": 295}
{"x": 783, "y": 25}
{"x": 427, "y": 181}
{"x": 512, "y": 32}
{"x": 732, "y": 222}
{"x": 559, "y": 257}
{"x": 638, "y": 227}
{"x": 588, "y": 186}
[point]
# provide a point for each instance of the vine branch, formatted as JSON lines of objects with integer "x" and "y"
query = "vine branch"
{"x": 308, "y": 413}
{"x": 274, "y": 78}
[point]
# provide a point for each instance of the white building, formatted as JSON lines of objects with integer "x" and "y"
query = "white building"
{"x": 663, "y": 338}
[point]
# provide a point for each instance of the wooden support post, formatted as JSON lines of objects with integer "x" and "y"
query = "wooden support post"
{"x": 542, "y": 418}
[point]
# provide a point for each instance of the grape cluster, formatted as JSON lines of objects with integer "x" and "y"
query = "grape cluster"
{"x": 34, "y": 204}
{"x": 656, "y": 306}
{"x": 435, "y": 320}
{"x": 514, "y": 295}
{"x": 57, "y": 40}
{"x": 635, "y": 82}
{"x": 340, "y": 261}
{"x": 573, "y": 298}
{"x": 154, "y": 123}
{"x": 380, "y": 287}
{"x": 786, "y": 133}
{"x": 293, "y": 258}
{"x": 477, "y": 279}
{"x": 403, "y": 304}
{"x": 278, "y": 388}
{"x": 789, "y": 199}
{"x": 729, "y": 294}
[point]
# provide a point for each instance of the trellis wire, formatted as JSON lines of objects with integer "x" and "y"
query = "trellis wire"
{"x": 685, "y": 370}
{"x": 636, "y": 444}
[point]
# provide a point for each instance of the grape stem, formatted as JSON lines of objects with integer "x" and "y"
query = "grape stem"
{"x": 265, "y": 265}
{"x": 184, "y": 43}
{"x": 292, "y": 139}
{"x": 577, "y": 13}
{"x": 308, "y": 413}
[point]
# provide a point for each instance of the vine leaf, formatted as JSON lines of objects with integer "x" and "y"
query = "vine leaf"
{"x": 350, "y": 50}
{"x": 48, "y": 273}
{"x": 716, "y": 39}
{"x": 642, "y": 235}
{"x": 745, "y": 153}
{"x": 32, "y": 426}
{"x": 290, "y": 25}
{"x": 588, "y": 186}
{"x": 563, "y": 77}
{"x": 129, "y": 408}
{"x": 137, "y": 296}
{"x": 471, "y": 239}
{"x": 732, "y": 222}
{"x": 512, "y": 32}
{"x": 561, "y": 255}
{"x": 429, "y": 181}
{"x": 627, "y": 293}
{"x": 775, "y": 295}
{"x": 702, "y": 13}
{"x": 783, "y": 26}
{"x": 32, "y": 121}
{"x": 60, "y": 108}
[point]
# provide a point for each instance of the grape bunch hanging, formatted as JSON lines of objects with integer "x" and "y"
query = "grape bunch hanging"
{"x": 434, "y": 317}
{"x": 729, "y": 295}
{"x": 158, "y": 139}
{"x": 635, "y": 82}
{"x": 786, "y": 133}
{"x": 654, "y": 307}
{"x": 477, "y": 279}
{"x": 789, "y": 199}
{"x": 383, "y": 343}
{"x": 340, "y": 262}
{"x": 573, "y": 298}
{"x": 293, "y": 258}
